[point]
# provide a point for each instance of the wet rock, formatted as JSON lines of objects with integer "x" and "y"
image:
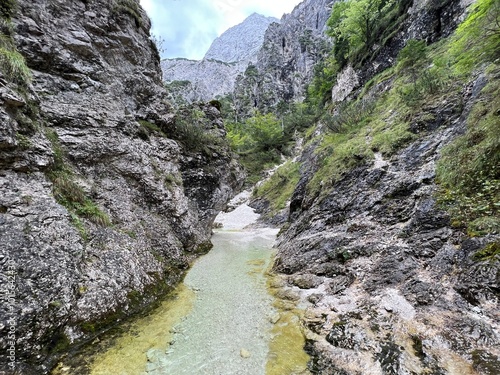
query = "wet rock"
{"x": 305, "y": 281}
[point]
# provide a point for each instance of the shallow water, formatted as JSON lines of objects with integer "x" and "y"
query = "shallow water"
{"x": 228, "y": 329}
{"x": 220, "y": 322}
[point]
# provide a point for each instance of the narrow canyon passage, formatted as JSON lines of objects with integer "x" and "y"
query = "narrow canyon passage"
{"x": 223, "y": 320}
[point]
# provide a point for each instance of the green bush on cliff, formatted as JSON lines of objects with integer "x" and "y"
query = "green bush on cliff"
{"x": 192, "y": 130}
{"x": 7, "y": 8}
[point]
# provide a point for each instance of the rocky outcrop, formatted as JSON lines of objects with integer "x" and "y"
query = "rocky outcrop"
{"x": 286, "y": 61}
{"x": 392, "y": 294}
{"x": 103, "y": 201}
{"x": 227, "y": 57}
{"x": 189, "y": 81}
{"x": 392, "y": 286}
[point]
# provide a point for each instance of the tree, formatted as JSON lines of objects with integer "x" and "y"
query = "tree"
{"x": 355, "y": 25}
{"x": 265, "y": 131}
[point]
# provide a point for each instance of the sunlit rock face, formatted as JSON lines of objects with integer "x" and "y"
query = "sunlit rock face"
{"x": 227, "y": 57}
{"x": 102, "y": 204}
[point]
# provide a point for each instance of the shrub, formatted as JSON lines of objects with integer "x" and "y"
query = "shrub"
{"x": 7, "y": 8}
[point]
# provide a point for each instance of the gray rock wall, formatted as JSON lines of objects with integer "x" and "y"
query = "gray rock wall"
{"x": 285, "y": 63}
{"x": 96, "y": 74}
{"x": 392, "y": 286}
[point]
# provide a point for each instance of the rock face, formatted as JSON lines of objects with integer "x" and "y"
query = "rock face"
{"x": 285, "y": 63}
{"x": 192, "y": 80}
{"x": 393, "y": 287}
{"x": 227, "y": 57}
{"x": 241, "y": 42}
{"x": 102, "y": 203}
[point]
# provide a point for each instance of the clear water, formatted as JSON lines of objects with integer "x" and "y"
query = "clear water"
{"x": 220, "y": 321}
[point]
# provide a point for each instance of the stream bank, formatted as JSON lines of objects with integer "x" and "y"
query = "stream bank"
{"x": 225, "y": 317}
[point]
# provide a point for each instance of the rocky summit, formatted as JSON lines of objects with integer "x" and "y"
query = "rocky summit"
{"x": 227, "y": 57}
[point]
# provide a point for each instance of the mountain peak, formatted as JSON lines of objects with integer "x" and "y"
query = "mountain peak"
{"x": 241, "y": 42}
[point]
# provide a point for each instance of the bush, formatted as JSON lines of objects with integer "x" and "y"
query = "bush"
{"x": 192, "y": 129}
{"x": 7, "y": 8}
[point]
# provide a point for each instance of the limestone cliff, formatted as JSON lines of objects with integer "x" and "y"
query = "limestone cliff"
{"x": 227, "y": 57}
{"x": 393, "y": 285}
{"x": 105, "y": 192}
{"x": 285, "y": 63}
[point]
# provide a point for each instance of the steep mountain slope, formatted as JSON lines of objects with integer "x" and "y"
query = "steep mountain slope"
{"x": 227, "y": 57}
{"x": 105, "y": 193}
{"x": 397, "y": 261}
{"x": 241, "y": 42}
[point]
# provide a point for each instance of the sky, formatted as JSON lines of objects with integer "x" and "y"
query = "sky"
{"x": 188, "y": 27}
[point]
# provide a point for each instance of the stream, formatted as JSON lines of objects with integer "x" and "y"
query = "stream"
{"x": 223, "y": 320}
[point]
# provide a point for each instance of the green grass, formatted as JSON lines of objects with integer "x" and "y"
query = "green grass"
{"x": 69, "y": 193}
{"x": 279, "y": 188}
{"x": 469, "y": 170}
{"x": 130, "y": 7}
{"x": 490, "y": 251}
{"x": 477, "y": 39}
{"x": 13, "y": 65}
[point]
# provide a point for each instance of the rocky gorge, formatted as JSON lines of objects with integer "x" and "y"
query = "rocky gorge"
{"x": 387, "y": 204}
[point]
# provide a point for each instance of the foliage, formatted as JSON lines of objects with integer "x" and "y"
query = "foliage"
{"x": 259, "y": 141}
{"x": 192, "y": 130}
{"x": 12, "y": 63}
{"x": 148, "y": 128}
{"x": 358, "y": 25}
{"x": 265, "y": 131}
{"x": 477, "y": 39}
{"x": 7, "y": 8}
{"x": 468, "y": 171}
{"x": 490, "y": 251}
{"x": 325, "y": 73}
{"x": 279, "y": 187}
{"x": 349, "y": 114}
{"x": 130, "y": 7}
{"x": 412, "y": 56}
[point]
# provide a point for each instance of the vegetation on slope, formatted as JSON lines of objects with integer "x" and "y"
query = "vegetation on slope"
{"x": 387, "y": 113}
{"x": 12, "y": 63}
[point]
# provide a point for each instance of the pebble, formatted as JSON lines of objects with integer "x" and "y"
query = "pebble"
{"x": 244, "y": 353}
